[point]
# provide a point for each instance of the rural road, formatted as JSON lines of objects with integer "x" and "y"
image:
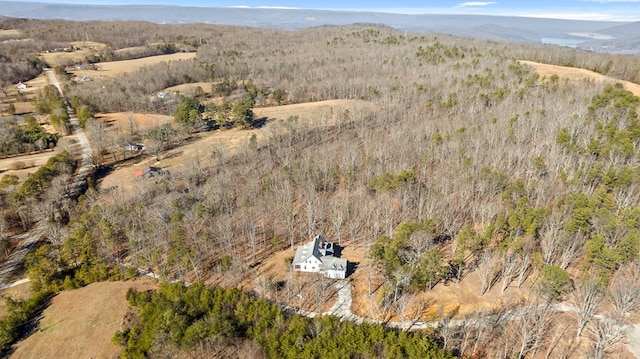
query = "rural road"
{"x": 28, "y": 239}
{"x": 34, "y": 160}
{"x": 35, "y": 234}
{"x": 85, "y": 164}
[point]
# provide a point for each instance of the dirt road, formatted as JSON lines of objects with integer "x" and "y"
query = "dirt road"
{"x": 34, "y": 235}
{"x": 28, "y": 161}
{"x": 86, "y": 164}
{"x": 28, "y": 240}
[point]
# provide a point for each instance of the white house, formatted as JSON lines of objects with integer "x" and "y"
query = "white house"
{"x": 21, "y": 86}
{"x": 317, "y": 256}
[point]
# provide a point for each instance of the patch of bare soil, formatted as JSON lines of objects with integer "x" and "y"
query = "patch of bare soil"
{"x": 463, "y": 297}
{"x": 80, "y": 323}
{"x": 113, "y": 68}
{"x": 578, "y": 74}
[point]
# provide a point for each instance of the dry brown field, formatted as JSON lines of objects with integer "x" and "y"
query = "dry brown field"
{"x": 80, "y": 323}
{"x": 84, "y": 49}
{"x": 578, "y": 74}
{"x": 113, "y": 68}
{"x": 10, "y": 33}
{"x": 189, "y": 89}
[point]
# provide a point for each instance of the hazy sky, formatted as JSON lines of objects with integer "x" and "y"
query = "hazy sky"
{"x": 621, "y": 10}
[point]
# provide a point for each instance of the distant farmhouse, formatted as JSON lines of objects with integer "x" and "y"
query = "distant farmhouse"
{"x": 317, "y": 256}
{"x": 21, "y": 86}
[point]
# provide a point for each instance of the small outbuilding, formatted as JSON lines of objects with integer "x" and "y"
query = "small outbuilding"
{"x": 149, "y": 172}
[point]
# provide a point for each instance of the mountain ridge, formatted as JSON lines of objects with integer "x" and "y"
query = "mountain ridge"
{"x": 620, "y": 37}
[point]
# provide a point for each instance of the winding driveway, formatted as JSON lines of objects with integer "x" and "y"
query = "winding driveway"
{"x": 342, "y": 309}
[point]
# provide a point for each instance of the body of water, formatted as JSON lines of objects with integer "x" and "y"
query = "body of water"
{"x": 570, "y": 42}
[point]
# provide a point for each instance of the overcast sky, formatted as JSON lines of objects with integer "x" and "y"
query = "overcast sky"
{"x": 618, "y": 10}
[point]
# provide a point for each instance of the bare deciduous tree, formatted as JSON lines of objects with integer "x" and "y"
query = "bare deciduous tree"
{"x": 530, "y": 329}
{"x": 524, "y": 267}
{"x": 4, "y": 237}
{"x": 97, "y": 133}
{"x": 603, "y": 334}
{"x": 402, "y": 279}
{"x": 446, "y": 328}
{"x": 588, "y": 298}
{"x": 624, "y": 291}
{"x": 508, "y": 270}
{"x": 487, "y": 270}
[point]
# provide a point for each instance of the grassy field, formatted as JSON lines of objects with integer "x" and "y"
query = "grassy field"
{"x": 80, "y": 323}
{"x": 113, "y": 68}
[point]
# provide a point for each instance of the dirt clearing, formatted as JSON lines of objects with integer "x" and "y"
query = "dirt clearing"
{"x": 578, "y": 74}
{"x": 80, "y": 323}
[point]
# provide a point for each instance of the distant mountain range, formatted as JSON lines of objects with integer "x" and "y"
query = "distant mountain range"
{"x": 601, "y": 36}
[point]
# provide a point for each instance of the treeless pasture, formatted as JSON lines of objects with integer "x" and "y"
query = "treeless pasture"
{"x": 189, "y": 89}
{"x": 123, "y": 121}
{"x": 113, "y": 68}
{"x": 10, "y": 33}
{"x": 80, "y": 323}
{"x": 83, "y": 49}
{"x": 578, "y": 74}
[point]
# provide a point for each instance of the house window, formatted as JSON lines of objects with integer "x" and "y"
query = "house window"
{"x": 304, "y": 267}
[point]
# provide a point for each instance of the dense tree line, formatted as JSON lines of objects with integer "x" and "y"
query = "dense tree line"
{"x": 188, "y": 318}
{"x": 116, "y": 34}
{"x": 21, "y": 313}
{"x": 18, "y": 60}
{"x": 16, "y": 137}
{"x": 36, "y": 183}
{"x": 50, "y": 102}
